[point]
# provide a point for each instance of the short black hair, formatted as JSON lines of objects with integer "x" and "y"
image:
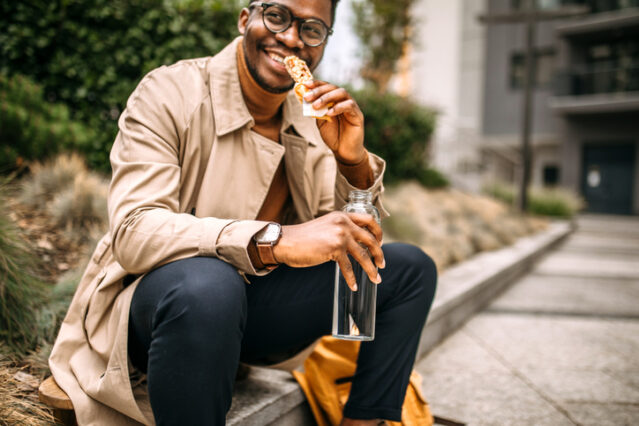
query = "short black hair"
{"x": 333, "y": 7}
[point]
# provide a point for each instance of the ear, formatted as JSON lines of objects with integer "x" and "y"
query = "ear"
{"x": 242, "y": 21}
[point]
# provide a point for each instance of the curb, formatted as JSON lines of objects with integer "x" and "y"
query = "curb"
{"x": 272, "y": 397}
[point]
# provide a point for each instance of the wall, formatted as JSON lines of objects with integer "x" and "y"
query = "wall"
{"x": 502, "y": 104}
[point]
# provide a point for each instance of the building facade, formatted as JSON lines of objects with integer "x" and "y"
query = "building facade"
{"x": 585, "y": 133}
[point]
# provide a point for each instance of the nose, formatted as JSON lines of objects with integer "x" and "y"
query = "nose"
{"x": 291, "y": 37}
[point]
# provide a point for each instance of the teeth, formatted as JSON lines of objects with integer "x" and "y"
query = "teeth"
{"x": 276, "y": 58}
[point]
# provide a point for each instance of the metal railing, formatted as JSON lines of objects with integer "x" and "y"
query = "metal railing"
{"x": 588, "y": 80}
{"x": 597, "y": 6}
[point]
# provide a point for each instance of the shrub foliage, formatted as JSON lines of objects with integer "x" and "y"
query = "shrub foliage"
{"x": 32, "y": 128}
{"x": 383, "y": 29}
{"x": 90, "y": 54}
{"x": 542, "y": 201}
{"x": 399, "y": 130}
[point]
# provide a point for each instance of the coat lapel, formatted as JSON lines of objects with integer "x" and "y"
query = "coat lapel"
{"x": 229, "y": 110}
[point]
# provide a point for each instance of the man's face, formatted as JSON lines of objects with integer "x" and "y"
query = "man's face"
{"x": 264, "y": 50}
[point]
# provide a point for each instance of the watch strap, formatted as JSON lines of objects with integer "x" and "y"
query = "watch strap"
{"x": 267, "y": 257}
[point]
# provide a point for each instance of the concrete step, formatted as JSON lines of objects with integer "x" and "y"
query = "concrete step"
{"x": 571, "y": 296}
{"x": 588, "y": 265}
{"x": 601, "y": 245}
{"x": 609, "y": 226}
{"x": 269, "y": 397}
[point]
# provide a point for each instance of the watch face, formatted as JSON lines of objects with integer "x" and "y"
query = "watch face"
{"x": 269, "y": 234}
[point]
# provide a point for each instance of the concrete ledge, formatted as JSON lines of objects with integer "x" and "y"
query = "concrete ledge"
{"x": 271, "y": 397}
{"x": 267, "y": 396}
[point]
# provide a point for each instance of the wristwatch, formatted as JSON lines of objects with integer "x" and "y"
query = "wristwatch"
{"x": 265, "y": 240}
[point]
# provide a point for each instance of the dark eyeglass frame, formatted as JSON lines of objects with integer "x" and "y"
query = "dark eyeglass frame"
{"x": 302, "y": 21}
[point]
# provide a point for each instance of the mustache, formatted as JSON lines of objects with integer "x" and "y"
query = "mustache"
{"x": 283, "y": 48}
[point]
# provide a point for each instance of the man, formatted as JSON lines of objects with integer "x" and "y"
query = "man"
{"x": 212, "y": 155}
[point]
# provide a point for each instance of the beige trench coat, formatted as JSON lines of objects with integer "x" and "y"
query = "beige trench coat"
{"x": 189, "y": 178}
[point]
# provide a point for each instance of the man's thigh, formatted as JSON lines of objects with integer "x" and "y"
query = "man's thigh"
{"x": 290, "y": 308}
{"x": 287, "y": 310}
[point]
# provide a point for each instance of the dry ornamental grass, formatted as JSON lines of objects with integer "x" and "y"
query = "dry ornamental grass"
{"x": 451, "y": 225}
{"x": 18, "y": 397}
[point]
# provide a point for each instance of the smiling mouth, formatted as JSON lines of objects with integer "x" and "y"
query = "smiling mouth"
{"x": 277, "y": 58}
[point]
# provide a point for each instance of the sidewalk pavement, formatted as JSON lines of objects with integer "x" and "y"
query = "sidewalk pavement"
{"x": 560, "y": 347}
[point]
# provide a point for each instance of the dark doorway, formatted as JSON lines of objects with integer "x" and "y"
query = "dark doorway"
{"x": 607, "y": 178}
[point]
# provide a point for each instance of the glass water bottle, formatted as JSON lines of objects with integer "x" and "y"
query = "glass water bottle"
{"x": 354, "y": 311}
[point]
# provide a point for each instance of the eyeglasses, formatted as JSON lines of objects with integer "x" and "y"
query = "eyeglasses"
{"x": 278, "y": 19}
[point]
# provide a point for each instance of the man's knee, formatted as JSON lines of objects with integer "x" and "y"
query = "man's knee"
{"x": 206, "y": 291}
{"x": 418, "y": 267}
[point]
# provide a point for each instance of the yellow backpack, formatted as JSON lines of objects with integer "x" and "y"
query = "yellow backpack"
{"x": 326, "y": 384}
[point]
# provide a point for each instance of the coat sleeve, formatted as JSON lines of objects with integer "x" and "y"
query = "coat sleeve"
{"x": 146, "y": 224}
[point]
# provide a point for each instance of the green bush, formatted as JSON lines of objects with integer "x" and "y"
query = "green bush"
{"x": 90, "y": 54}
{"x": 22, "y": 293}
{"x": 554, "y": 202}
{"x": 541, "y": 201}
{"x": 399, "y": 131}
{"x": 32, "y": 128}
{"x": 432, "y": 178}
{"x": 501, "y": 191}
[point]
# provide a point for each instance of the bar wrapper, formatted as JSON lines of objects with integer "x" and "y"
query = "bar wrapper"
{"x": 300, "y": 73}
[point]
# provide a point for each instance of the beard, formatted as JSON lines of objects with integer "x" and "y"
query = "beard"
{"x": 263, "y": 84}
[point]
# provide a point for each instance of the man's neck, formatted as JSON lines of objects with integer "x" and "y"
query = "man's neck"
{"x": 264, "y": 106}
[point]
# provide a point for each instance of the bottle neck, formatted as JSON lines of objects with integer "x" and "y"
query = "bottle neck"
{"x": 359, "y": 196}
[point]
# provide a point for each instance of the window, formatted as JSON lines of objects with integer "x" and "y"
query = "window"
{"x": 540, "y": 4}
{"x": 608, "y": 66}
{"x": 544, "y": 68}
{"x": 551, "y": 175}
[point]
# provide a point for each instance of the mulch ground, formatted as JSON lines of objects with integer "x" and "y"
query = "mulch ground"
{"x": 57, "y": 250}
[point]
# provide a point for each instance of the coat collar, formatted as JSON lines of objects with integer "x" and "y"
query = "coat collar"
{"x": 229, "y": 109}
{"x": 304, "y": 126}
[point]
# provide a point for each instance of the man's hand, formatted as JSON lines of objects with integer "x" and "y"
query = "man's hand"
{"x": 334, "y": 237}
{"x": 344, "y": 135}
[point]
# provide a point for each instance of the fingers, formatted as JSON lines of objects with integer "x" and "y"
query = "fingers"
{"x": 322, "y": 94}
{"x": 326, "y": 94}
{"x": 367, "y": 221}
{"x": 371, "y": 248}
{"x": 348, "y": 107}
{"x": 361, "y": 256}
{"x": 366, "y": 231}
{"x": 346, "y": 268}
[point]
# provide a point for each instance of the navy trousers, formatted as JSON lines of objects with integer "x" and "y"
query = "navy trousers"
{"x": 193, "y": 320}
